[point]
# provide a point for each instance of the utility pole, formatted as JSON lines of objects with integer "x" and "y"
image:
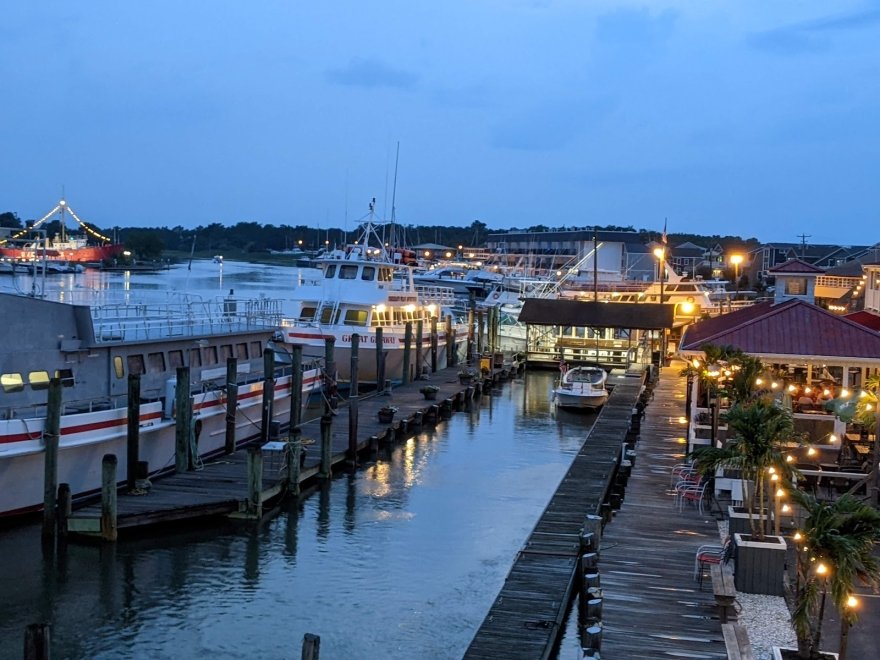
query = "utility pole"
{"x": 804, "y": 238}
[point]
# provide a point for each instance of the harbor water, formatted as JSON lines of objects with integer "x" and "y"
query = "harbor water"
{"x": 401, "y": 559}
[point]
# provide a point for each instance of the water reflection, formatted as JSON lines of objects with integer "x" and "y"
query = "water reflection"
{"x": 401, "y": 559}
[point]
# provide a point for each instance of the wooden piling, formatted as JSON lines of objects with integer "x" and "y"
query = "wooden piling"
{"x": 472, "y": 306}
{"x": 353, "y": 397}
{"x": 329, "y": 371}
{"x": 133, "y": 430}
{"x": 481, "y": 332}
{"x": 420, "y": 349}
{"x": 296, "y": 385}
{"x": 183, "y": 421}
{"x": 294, "y": 461}
{"x": 231, "y": 403}
{"x": 433, "y": 344}
{"x": 325, "y": 471}
{"x": 268, "y": 393}
{"x": 51, "y": 436}
{"x": 37, "y": 642}
{"x": 380, "y": 362}
{"x": 407, "y": 346}
{"x": 311, "y": 647}
{"x": 255, "y": 482}
{"x": 65, "y": 506}
{"x": 450, "y": 347}
{"x": 108, "y": 497}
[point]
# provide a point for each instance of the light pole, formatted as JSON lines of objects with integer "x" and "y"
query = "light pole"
{"x": 660, "y": 253}
{"x": 736, "y": 260}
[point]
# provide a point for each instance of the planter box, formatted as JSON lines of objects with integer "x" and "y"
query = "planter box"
{"x": 430, "y": 396}
{"x": 465, "y": 380}
{"x": 386, "y": 418}
{"x": 792, "y": 653}
{"x": 760, "y": 565}
{"x": 738, "y": 520}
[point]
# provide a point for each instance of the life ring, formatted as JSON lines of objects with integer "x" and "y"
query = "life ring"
{"x": 496, "y": 296}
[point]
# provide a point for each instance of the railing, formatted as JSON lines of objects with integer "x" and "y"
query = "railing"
{"x": 150, "y": 321}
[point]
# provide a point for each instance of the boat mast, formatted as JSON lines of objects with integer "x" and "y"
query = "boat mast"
{"x": 392, "y": 239}
{"x": 595, "y": 264}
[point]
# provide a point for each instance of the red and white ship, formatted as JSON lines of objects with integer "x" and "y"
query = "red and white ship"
{"x": 23, "y": 246}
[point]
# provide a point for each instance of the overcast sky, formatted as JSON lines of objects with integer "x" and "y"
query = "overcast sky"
{"x": 725, "y": 116}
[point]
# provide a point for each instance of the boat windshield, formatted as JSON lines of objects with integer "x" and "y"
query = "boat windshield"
{"x": 587, "y": 376}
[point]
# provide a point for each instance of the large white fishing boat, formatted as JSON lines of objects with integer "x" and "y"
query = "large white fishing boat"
{"x": 361, "y": 289}
{"x": 93, "y": 350}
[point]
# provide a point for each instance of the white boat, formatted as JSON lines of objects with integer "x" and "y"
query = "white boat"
{"x": 93, "y": 350}
{"x": 359, "y": 290}
{"x": 581, "y": 388}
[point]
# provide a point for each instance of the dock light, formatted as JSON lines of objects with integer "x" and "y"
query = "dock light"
{"x": 126, "y": 253}
{"x": 792, "y": 388}
{"x": 771, "y": 470}
{"x": 774, "y": 477}
{"x": 774, "y": 385}
{"x": 797, "y": 536}
{"x": 780, "y": 493}
{"x": 863, "y": 394}
{"x": 381, "y": 308}
{"x": 868, "y": 406}
{"x": 826, "y": 392}
{"x": 448, "y": 254}
{"x": 844, "y": 393}
{"x": 696, "y": 363}
{"x": 852, "y": 602}
{"x": 687, "y": 308}
{"x": 789, "y": 459}
{"x": 821, "y": 568}
{"x": 558, "y": 273}
{"x": 300, "y": 242}
{"x": 832, "y": 438}
{"x": 759, "y": 381}
{"x": 807, "y": 390}
{"x": 811, "y": 451}
{"x": 785, "y": 508}
{"x": 460, "y": 247}
{"x": 427, "y": 253}
{"x": 682, "y": 420}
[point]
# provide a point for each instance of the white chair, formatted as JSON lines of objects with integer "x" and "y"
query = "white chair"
{"x": 692, "y": 492}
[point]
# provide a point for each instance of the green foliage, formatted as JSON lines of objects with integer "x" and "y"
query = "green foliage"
{"x": 842, "y": 536}
{"x": 11, "y": 220}
{"x": 144, "y": 244}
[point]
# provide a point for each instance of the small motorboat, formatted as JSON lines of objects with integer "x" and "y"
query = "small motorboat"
{"x": 581, "y": 388}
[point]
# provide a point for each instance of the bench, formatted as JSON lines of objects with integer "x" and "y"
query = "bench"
{"x": 736, "y": 640}
{"x": 724, "y": 591}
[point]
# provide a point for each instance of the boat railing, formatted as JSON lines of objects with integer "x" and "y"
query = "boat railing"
{"x": 443, "y": 296}
{"x": 149, "y": 321}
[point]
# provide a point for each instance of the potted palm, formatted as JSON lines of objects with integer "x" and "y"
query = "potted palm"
{"x": 835, "y": 552}
{"x": 430, "y": 392}
{"x": 759, "y": 427}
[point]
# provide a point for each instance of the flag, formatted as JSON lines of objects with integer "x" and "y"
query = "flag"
{"x": 663, "y": 238}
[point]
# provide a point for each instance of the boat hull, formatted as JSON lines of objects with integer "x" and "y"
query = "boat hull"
{"x": 86, "y": 437}
{"x": 571, "y": 401}
{"x": 87, "y": 254}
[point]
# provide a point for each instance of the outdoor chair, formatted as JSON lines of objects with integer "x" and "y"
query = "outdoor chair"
{"x": 691, "y": 492}
{"x": 712, "y": 554}
{"x": 682, "y": 471}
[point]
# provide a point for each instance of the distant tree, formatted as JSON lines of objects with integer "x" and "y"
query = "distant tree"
{"x": 11, "y": 220}
{"x": 145, "y": 244}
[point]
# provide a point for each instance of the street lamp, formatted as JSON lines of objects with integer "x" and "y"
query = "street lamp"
{"x": 660, "y": 253}
{"x": 736, "y": 260}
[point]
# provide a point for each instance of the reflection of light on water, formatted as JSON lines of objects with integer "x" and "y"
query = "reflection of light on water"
{"x": 378, "y": 483}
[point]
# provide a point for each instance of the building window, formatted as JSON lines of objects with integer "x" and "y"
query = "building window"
{"x": 136, "y": 365}
{"x": 156, "y": 362}
{"x": 12, "y": 382}
{"x": 795, "y": 286}
{"x": 39, "y": 380}
{"x": 66, "y": 376}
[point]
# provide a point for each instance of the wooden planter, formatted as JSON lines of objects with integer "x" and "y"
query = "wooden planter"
{"x": 791, "y": 653}
{"x": 386, "y": 417}
{"x": 760, "y": 565}
{"x": 465, "y": 380}
{"x": 738, "y": 520}
{"x": 430, "y": 396}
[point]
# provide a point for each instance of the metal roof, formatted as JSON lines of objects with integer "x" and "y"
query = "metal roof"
{"x": 793, "y": 328}
{"x": 581, "y": 313}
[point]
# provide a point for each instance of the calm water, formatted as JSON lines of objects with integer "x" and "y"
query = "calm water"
{"x": 401, "y": 560}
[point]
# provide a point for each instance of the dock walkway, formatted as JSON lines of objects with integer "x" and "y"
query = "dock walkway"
{"x": 653, "y": 607}
{"x": 527, "y": 617}
{"x": 221, "y": 486}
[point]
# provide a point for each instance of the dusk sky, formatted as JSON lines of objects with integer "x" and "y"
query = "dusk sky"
{"x": 744, "y": 117}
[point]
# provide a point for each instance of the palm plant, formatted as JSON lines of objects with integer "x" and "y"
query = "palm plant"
{"x": 836, "y": 550}
{"x": 760, "y": 428}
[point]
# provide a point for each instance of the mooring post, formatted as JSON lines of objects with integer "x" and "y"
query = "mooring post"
{"x": 108, "y": 497}
{"x": 133, "y": 430}
{"x": 325, "y": 469}
{"x": 231, "y": 403}
{"x": 407, "y": 345}
{"x": 294, "y": 460}
{"x": 311, "y": 648}
{"x": 353, "y": 398}
{"x": 420, "y": 327}
{"x": 433, "y": 344}
{"x": 51, "y": 435}
{"x": 36, "y": 642}
{"x": 65, "y": 506}
{"x": 329, "y": 371}
{"x": 450, "y": 346}
{"x": 268, "y": 393}
{"x": 454, "y": 347}
{"x": 183, "y": 420}
{"x": 380, "y": 363}
{"x": 296, "y": 386}
{"x": 481, "y": 332}
{"x": 255, "y": 482}
{"x": 472, "y": 306}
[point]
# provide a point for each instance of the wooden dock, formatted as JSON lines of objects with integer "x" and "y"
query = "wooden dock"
{"x": 222, "y": 486}
{"x": 653, "y": 607}
{"x": 527, "y": 617}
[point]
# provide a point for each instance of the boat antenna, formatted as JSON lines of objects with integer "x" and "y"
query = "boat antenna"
{"x": 62, "y": 204}
{"x": 391, "y": 237}
{"x": 192, "y": 251}
{"x": 595, "y": 266}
